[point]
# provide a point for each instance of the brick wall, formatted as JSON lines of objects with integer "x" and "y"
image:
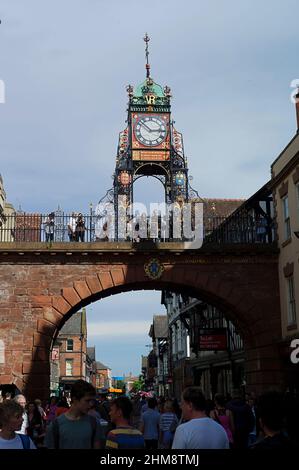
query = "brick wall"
{"x": 38, "y": 290}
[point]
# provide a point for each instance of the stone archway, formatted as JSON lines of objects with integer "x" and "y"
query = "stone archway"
{"x": 38, "y": 297}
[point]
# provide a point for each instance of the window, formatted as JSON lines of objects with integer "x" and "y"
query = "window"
{"x": 69, "y": 367}
{"x": 286, "y": 217}
{"x": 69, "y": 345}
{"x": 291, "y": 301}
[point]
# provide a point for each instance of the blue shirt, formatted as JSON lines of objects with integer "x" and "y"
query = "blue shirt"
{"x": 150, "y": 420}
{"x": 124, "y": 438}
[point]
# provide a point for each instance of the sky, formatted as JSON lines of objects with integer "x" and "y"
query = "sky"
{"x": 65, "y": 66}
{"x": 119, "y": 325}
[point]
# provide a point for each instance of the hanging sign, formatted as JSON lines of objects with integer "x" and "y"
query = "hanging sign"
{"x": 214, "y": 339}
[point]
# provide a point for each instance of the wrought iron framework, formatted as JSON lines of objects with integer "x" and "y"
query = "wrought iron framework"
{"x": 149, "y": 99}
{"x": 25, "y": 227}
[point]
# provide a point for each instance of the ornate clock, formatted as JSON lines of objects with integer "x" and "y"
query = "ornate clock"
{"x": 150, "y": 130}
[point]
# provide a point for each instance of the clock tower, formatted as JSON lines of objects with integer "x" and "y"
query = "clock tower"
{"x": 150, "y": 145}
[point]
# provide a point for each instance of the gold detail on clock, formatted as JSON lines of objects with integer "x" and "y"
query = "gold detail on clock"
{"x": 150, "y": 99}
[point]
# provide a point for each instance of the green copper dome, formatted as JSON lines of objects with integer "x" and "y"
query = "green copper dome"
{"x": 149, "y": 86}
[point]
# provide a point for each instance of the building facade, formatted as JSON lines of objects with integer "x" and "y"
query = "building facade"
{"x": 158, "y": 357}
{"x": 69, "y": 354}
{"x": 204, "y": 347}
{"x": 103, "y": 376}
{"x": 179, "y": 344}
{"x": 285, "y": 185}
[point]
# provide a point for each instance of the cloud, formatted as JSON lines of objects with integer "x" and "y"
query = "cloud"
{"x": 118, "y": 329}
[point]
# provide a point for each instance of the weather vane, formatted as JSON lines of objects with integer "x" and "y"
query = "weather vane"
{"x": 147, "y": 66}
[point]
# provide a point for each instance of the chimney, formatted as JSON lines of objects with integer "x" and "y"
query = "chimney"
{"x": 297, "y": 108}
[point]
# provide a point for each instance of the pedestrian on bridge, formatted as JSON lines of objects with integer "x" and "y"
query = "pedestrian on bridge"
{"x": 49, "y": 227}
{"x": 80, "y": 228}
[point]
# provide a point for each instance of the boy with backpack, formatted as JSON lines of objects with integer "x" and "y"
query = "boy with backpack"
{"x": 11, "y": 418}
{"x": 76, "y": 429}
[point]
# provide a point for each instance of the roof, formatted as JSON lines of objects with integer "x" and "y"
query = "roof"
{"x": 91, "y": 352}
{"x": 220, "y": 207}
{"x": 159, "y": 328}
{"x": 261, "y": 194}
{"x": 75, "y": 325}
{"x": 154, "y": 88}
{"x": 101, "y": 366}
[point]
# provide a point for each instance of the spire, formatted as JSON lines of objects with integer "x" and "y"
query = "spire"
{"x": 147, "y": 66}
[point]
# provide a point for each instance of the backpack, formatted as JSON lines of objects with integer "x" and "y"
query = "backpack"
{"x": 55, "y": 430}
{"x": 25, "y": 441}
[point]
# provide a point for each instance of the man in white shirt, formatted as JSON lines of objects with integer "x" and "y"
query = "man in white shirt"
{"x": 200, "y": 431}
{"x": 71, "y": 227}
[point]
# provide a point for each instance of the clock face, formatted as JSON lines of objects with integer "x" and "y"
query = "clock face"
{"x": 150, "y": 130}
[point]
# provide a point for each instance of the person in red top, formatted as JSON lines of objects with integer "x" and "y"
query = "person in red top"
{"x": 223, "y": 416}
{"x": 62, "y": 407}
{"x": 51, "y": 410}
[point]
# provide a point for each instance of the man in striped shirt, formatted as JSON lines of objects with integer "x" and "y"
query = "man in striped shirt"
{"x": 123, "y": 436}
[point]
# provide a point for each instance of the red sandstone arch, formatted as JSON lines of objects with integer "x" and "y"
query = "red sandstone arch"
{"x": 49, "y": 293}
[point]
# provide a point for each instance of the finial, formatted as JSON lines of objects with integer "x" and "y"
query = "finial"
{"x": 130, "y": 90}
{"x": 167, "y": 91}
{"x": 147, "y": 66}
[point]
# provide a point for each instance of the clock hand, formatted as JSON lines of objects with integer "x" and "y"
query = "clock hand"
{"x": 145, "y": 126}
{"x": 148, "y": 128}
{"x": 154, "y": 130}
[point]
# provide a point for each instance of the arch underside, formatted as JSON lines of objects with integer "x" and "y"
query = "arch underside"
{"x": 150, "y": 169}
{"x": 205, "y": 296}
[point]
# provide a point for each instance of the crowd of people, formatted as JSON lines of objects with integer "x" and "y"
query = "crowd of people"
{"x": 86, "y": 422}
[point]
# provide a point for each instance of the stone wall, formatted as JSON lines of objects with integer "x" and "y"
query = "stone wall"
{"x": 39, "y": 290}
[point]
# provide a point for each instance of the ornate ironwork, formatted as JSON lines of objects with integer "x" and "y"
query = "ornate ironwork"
{"x": 170, "y": 167}
{"x": 147, "y": 66}
{"x": 193, "y": 194}
{"x": 238, "y": 228}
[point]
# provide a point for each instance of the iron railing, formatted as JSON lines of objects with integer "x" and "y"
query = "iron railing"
{"x": 24, "y": 227}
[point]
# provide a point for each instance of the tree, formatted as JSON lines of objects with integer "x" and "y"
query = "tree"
{"x": 138, "y": 385}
